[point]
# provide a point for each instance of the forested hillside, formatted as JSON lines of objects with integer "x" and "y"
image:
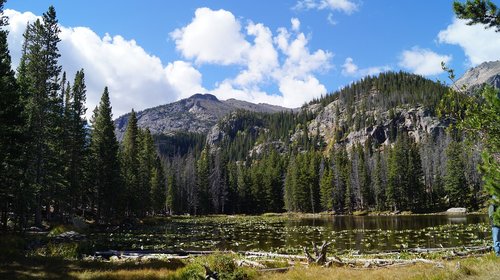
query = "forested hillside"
{"x": 377, "y": 144}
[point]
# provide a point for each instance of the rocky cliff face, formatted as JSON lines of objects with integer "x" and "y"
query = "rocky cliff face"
{"x": 485, "y": 73}
{"x": 197, "y": 113}
{"x": 417, "y": 121}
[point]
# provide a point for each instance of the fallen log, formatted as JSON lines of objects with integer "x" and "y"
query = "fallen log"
{"x": 110, "y": 253}
{"x": 279, "y": 269}
{"x": 272, "y": 255}
{"x": 249, "y": 263}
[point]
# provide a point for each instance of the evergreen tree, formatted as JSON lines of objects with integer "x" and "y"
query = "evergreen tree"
{"x": 172, "y": 194}
{"x": 105, "y": 166}
{"x": 245, "y": 199}
{"x": 203, "y": 176}
{"x": 257, "y": 187}
{"x": 415, "y": 191}
{"x": 479, "y": 11}
{"x": 342, "y": 175}
{"x": 364, "y": 180}
{"x": 291, "y": 185}
{"x": 482, "y": 120}
{"x": 378, "y": 184}
{"x": 77, "y": 146}
{"x": 12, "y": 192}
{"x": 129, "y": 157}
{"x": 313, "y": 182}
{"x": 455, "y": 182}
{"x": 38, "y": 78}
{"x": 273, "y": 182}
{"x": 326, "y": 187}
{"x": 147, "y": 158}
{"x": 158, "y": 187}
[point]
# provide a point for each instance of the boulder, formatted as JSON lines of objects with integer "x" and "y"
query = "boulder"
{"x": 70, "y": 236}
{"x": 456, "y": 210}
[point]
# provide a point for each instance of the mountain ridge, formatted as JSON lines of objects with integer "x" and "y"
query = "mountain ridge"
{"x": 197, "y": 114}
{"x": 485, "y": 73}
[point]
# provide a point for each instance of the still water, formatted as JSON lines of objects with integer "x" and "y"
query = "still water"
{"x": 287, "y": 235}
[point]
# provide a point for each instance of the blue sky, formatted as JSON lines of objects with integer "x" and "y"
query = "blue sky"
{"x": 280, "y": 52}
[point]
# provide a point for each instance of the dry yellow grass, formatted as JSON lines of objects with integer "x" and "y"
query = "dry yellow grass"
{"x": 125, "y": 274}
{"x": 487, "y": 267}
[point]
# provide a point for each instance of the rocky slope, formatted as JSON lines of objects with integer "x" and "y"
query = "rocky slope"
{"x": 485, "y": 73}
{"x": 197, "y": 113}
{"x": 416, "y": 119}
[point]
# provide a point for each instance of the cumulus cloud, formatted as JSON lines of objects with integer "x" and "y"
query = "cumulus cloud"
{"x": 346, "y": 6}
{"x": 284, "y": 58}
{"x": 349, "y": 68}
{"x": 478, "y": 43}
{"x": 211, "y": 37}
{"x": 423, "y": 61}
{"x": 135, "y": 78}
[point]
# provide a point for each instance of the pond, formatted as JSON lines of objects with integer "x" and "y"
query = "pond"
{"x": 283, "y": 234}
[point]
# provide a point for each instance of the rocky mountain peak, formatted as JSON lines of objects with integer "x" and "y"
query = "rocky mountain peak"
{"x": 203, "y": 96}
{"x": 484, "y": 73}
{"x": 197, "y": 113}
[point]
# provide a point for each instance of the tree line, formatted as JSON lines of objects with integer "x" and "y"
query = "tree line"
{"x": 54, "y": 164}
{"x": 432, "y": 175}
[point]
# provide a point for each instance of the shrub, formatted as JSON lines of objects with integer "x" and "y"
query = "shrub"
{"x": 65, "y": 250}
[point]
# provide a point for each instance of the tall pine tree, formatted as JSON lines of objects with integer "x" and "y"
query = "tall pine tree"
{"x": 104, "y": 162}
{"x": 38, "y": 76}
{"x": 11, "y": 139}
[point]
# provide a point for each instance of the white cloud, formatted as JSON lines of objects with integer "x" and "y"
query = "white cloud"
{"x": 300, "y": 61}
{"x": 423, "y": 61}
{"x": 330, "y": 19}
{"x": 184, "y": 78}
{"x": 295, "y": 24}
{"x": 211, "y": 37}
{"x": 346, "y": 6}
{"x": 259, "y": 58}
{"x": 135, "y": 78}
{"x": 140, "y": 80}
{"x": 349, "y": 68}
{"x": 478, "y": 43}
{"x": 294, "y": 90}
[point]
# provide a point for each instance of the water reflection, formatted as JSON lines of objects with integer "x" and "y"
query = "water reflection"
{"x": 288, "y": 235}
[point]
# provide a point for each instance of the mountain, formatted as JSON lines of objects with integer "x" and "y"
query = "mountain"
{"x": 378, "y": 143}
{"x": 484, "y": 73}
{"x": 197, "y": 114}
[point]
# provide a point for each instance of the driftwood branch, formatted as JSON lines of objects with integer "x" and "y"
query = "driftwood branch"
{"x": 254, "y": 259}
{"x": 320, "y": 254}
